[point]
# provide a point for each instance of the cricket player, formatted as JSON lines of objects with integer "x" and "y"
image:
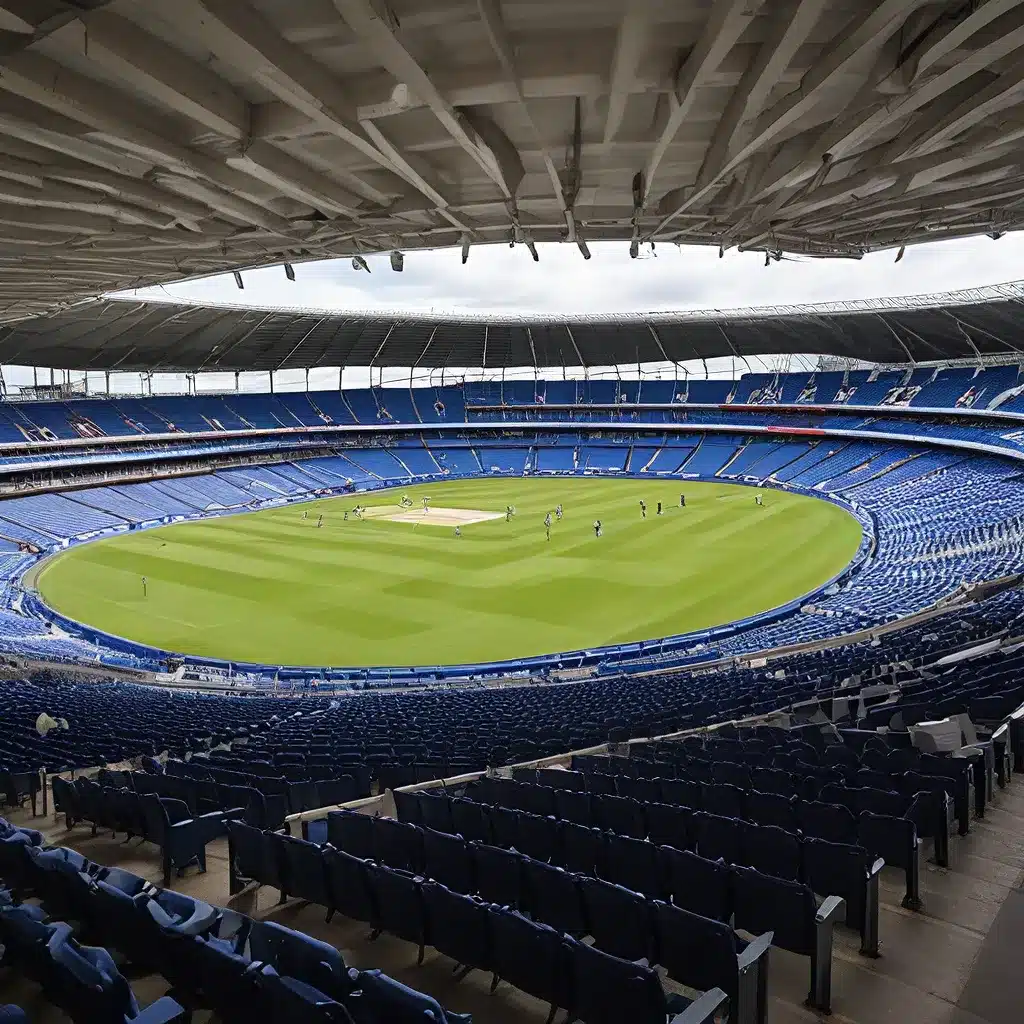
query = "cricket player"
{"x": 320, "y": 522}
{"x": 597, "y": 527}
{"x": 682, "y": 501}
{"x": 558, "y": 512}
{"x": 659, "y": 508}
{"x": 458, "y": 531}
{"x": 758, "y": 500}
{"x": 643, "y": 508}
{"x": 145, "y": 591}
{"x": 305, "y": 514}
{"x": 547, "y": 525}
{"x": 508, "y": 513}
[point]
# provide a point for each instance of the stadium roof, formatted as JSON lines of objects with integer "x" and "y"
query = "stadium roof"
{"x": 146, "y": 141}
{"x": 125, "y": 335}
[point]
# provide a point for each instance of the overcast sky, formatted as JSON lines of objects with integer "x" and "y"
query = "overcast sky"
{"x": 503, "y": 280}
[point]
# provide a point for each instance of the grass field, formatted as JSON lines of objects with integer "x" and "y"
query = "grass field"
{"x": 269, "y": 586}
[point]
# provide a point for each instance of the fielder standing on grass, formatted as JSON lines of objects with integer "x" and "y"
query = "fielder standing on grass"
{"x": 458, "y": 531}
{"x": 145, "y": 591}
{"x": 320, "y": 522}
{"x": 558, "y": 512}
{"x": 643, "y": 508}
{"x": 547, "y": 525}
{"x": 597, "y": 527}
{"x": 758, "y": 500}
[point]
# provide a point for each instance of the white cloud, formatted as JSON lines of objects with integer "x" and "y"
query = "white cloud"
{"x": 502, "y": 280}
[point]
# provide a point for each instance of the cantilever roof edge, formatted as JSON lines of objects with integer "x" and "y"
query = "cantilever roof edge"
{"x": 118, "y": 333}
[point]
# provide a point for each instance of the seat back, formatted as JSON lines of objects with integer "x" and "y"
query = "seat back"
{"x": 618, "y": 919}
{"x": 701, "y": 886}
{"x": 763, "y": 904}
{"x": 607, "y": 989}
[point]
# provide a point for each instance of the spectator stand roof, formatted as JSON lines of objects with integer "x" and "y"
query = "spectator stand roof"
{"x": 124, "y": 335}
{"x": 147, "y": 141}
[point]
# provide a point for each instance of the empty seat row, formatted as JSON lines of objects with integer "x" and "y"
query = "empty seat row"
{"x": 481, "y": 928}
{"x": 214, "y": 959}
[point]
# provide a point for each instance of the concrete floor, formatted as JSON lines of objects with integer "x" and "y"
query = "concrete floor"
{"x": 959, "y": 961}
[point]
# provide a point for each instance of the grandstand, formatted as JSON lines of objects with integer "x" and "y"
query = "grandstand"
{"x": 806, "y": 807}
{"x": 797, "y": 793}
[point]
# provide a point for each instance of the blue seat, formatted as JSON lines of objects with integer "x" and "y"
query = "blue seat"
{"x": 181, "y": 837}
{"x": 582, "y": 848}
{"x": 352, "y": 832}
{"x": 619, "y": 920}
{"x": 347, "y": 885}
{"x": 704, "y": 954}
{"x": 253, "y": 856}
{"x": 299, "y": 956}
{"x": 701, "y": 886}
{"x": 790, "y": 911}
{"x": 447, "y": 859}
{"x": 498, "y": 875}
{"x": 304, "y": 873}
{"x": 457, "y": 926}
{"x": 552, "y": 895}
{"x": 609, "y": 990}
{"x": 528, "y": 955}
{"x": 669, "y": 825}
{"x": 635, "y": 864}
{"x": 85, "y": 982}
{"x": 397, "y": 905}
{"x": 719, "y": 838}
{"x": 837, "y": 869}
{"x": 381, "y": 998}
{"x": 772, "y": 851}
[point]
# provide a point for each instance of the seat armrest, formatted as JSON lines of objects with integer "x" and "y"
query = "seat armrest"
{"x": 877, "y": 866}
{"x": 164, "y": 1011}
{"x": 703, "y": 1009}
{"x": 830, "y": 910}
{"x": 756, "y": 948}
{"x": 177, "y": 810}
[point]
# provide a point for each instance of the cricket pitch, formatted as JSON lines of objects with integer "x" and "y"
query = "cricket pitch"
{"x": 430, "y": 517}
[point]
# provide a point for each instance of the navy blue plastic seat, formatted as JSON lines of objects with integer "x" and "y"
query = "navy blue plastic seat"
{"x": 618, "y": 919}
{"x": 635, "y": 864}
{"x": 772, "y": 851}
{"x": 397, "y": 904}
{"x": 718, "y": 838}
{"x": 701, "y": 886}
{"x": 582, "y": 848}
{"x": 610, "y": 990}
{"x": 529, "y": 955}
{"x": 381, "y": 998}
{"x": 703, "y": 954}
{"x": 498, "y": 874}
{"x": 669, "y": 825}
{"x": 352, "y": 832}
{"x": 347, "y": 885}
{"x": 457, "y": 926}
{"x": 552, "y": 895}
{"x": 448, "y": 859}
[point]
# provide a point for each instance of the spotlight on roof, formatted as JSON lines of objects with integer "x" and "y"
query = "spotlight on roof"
{"x": 634, "y": 248}
{"x": 238, "y": 280}
{"x": 397, "y": 261}
{"x": 583, "y": 247}
{"x": 289, "y": 272}
{"x": 401, "y": 97}
{"x": 899, "y": 255}
{"x": 464, "y": 239}
{"x": 358, "y": 263}
{"x": 996, "y": 235}
{"x": 533, "y": 250}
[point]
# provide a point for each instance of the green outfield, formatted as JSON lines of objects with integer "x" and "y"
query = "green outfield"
{"x": 271, "y": 587}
